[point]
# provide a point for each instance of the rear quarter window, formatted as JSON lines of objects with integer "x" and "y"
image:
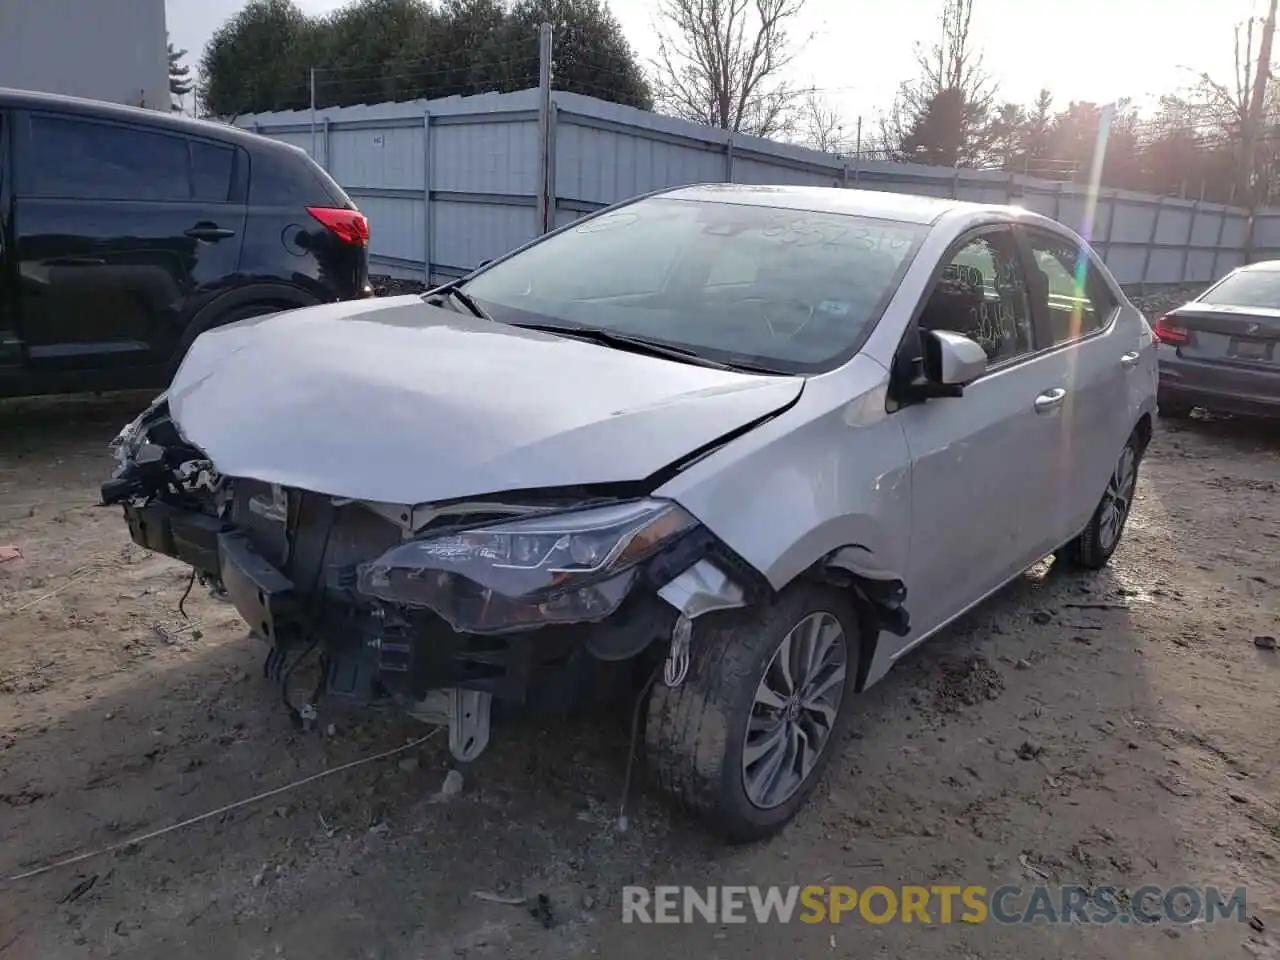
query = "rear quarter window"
{"x": 281, "y": 178}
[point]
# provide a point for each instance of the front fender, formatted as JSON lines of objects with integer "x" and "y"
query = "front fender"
{"x": 831, "y": 473}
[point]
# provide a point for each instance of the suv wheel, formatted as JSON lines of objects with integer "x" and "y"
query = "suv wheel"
{"x": 1173, "y": 410}
{"x": 242, "y": 312}
{"x": 1094, "y": 547}
{"x": 744, "y": 740}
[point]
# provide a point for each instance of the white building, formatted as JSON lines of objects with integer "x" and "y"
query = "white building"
{"x": 102, "y": 49}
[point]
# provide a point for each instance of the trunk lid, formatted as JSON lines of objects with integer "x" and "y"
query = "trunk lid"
{"x": 1236, "y": 336}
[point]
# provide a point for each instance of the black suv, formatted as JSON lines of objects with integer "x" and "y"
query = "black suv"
{"x": 125, "y": 233}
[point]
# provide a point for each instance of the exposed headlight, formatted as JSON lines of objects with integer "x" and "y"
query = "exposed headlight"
{"x": 126, "y": 443}
{"x": 559, "y": 568}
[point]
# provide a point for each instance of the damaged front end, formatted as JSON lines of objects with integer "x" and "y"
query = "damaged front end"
{"x": 441, "y": 609}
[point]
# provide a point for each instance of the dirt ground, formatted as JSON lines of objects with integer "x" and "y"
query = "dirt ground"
{"x": 1112, "y": 728}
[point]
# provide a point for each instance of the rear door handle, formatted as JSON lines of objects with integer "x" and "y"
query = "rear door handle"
{"x": 1050, "y": 400}
{"x": 208, "y": 231}
{"x": 1130, "y": 360}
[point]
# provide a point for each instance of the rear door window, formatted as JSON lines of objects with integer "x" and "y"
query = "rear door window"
{"x": 69, "y": 157}
{"x": 212, "y": 171}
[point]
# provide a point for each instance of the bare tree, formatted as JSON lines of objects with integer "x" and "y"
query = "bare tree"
{"x": 719, "y": 62}
{"x": 1220, "y": 113}
{"x": 821, "y": 125}
{"x": 1226, "y": 105}
{"x": 942, "y": 116}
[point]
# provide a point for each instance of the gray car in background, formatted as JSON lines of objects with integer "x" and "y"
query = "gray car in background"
{"x": 741, "y": 447}
{"x": 1221, "y": 351}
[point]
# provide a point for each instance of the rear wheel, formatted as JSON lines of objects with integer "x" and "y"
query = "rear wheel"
{"x": 1095, "y": 545}
{"x": 242, "y": 312}
{"x": 744, "y": 740}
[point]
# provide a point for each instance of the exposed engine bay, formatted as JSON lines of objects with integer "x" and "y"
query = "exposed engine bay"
{"x": 525, "y": 601}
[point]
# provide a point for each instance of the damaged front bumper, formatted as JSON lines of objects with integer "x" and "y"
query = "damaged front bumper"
{"x": 521, "y": 603}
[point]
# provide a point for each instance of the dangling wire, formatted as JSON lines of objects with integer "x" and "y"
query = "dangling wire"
{"x": 623, "y": 822}
{"x": 295, "y": 715}
{"x": 182, "y": 602}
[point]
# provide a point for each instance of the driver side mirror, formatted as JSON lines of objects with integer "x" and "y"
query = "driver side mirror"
{"x": 950, "y": 361}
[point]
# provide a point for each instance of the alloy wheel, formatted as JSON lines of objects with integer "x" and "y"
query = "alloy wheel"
{"x": 1118, "y": 498}
{"x": 795, "y": 709}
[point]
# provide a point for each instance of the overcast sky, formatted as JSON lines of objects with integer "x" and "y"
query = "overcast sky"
{"x": 1095, "y": 50}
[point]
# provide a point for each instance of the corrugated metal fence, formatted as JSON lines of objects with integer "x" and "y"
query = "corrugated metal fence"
{"x": 450, "y": 183}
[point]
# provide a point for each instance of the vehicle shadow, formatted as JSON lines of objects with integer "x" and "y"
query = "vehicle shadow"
{"x": 953, "y": 772}
{"x": 1019, "y": 746}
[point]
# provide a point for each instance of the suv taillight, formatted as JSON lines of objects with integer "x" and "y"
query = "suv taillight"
{"x": 349, "y": 226}
{"x": 1168, "y": 332}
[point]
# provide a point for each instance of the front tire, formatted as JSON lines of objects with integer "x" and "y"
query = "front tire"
{"x": 1093, "y": 548}
{"x": 744, "y": 740}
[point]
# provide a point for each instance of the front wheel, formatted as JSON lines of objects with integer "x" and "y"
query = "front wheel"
{"x": 1094, "y": 546}
{"x": 744, "y": 740}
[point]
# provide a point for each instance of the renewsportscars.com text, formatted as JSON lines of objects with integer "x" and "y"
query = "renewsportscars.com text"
{"x": 971, "y": 904}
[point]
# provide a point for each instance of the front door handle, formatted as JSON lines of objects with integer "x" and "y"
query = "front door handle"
{"x": 208, "y": 231}
{"x": 1130, "y": 360}
{"x": 1050, "y": 400}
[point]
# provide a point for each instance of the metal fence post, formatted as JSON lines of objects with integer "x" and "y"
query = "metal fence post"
{"x": 312, "y": 85}
{"x": 728, "y": 158}
{"x": 1217, "y": 245}
{"x": 553, "y": 125}
{"x": 1191, "y": 235}
{"x": 542, "y": 214}
{"x": 1111, "y": 224}
{"x": 328, "y": 145}
{"x": 1151, "y": 242}
{"x": 426, "y": 197}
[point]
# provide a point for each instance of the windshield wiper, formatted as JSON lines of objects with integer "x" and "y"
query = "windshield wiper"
{"x": 626, "y": 341}
{"x": 454, "y": 289}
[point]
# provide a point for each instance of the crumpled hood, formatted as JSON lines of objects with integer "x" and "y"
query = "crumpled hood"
{"x": 396, "y": 401}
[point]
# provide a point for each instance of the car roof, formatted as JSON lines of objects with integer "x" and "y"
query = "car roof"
{"x": 100, "y": 109}
{"x": 1262, "y": 266}
{"x": 880, "y": 204}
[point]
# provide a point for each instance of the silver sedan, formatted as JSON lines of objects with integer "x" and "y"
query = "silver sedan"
{"x": 745, "y": 446}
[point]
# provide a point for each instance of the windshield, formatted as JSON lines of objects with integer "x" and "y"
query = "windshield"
{"x": 787, "y": 290}
{"x": 1248, "y": 288}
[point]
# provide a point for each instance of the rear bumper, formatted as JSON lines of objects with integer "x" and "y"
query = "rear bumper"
{"x": 1218, "y": 386}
